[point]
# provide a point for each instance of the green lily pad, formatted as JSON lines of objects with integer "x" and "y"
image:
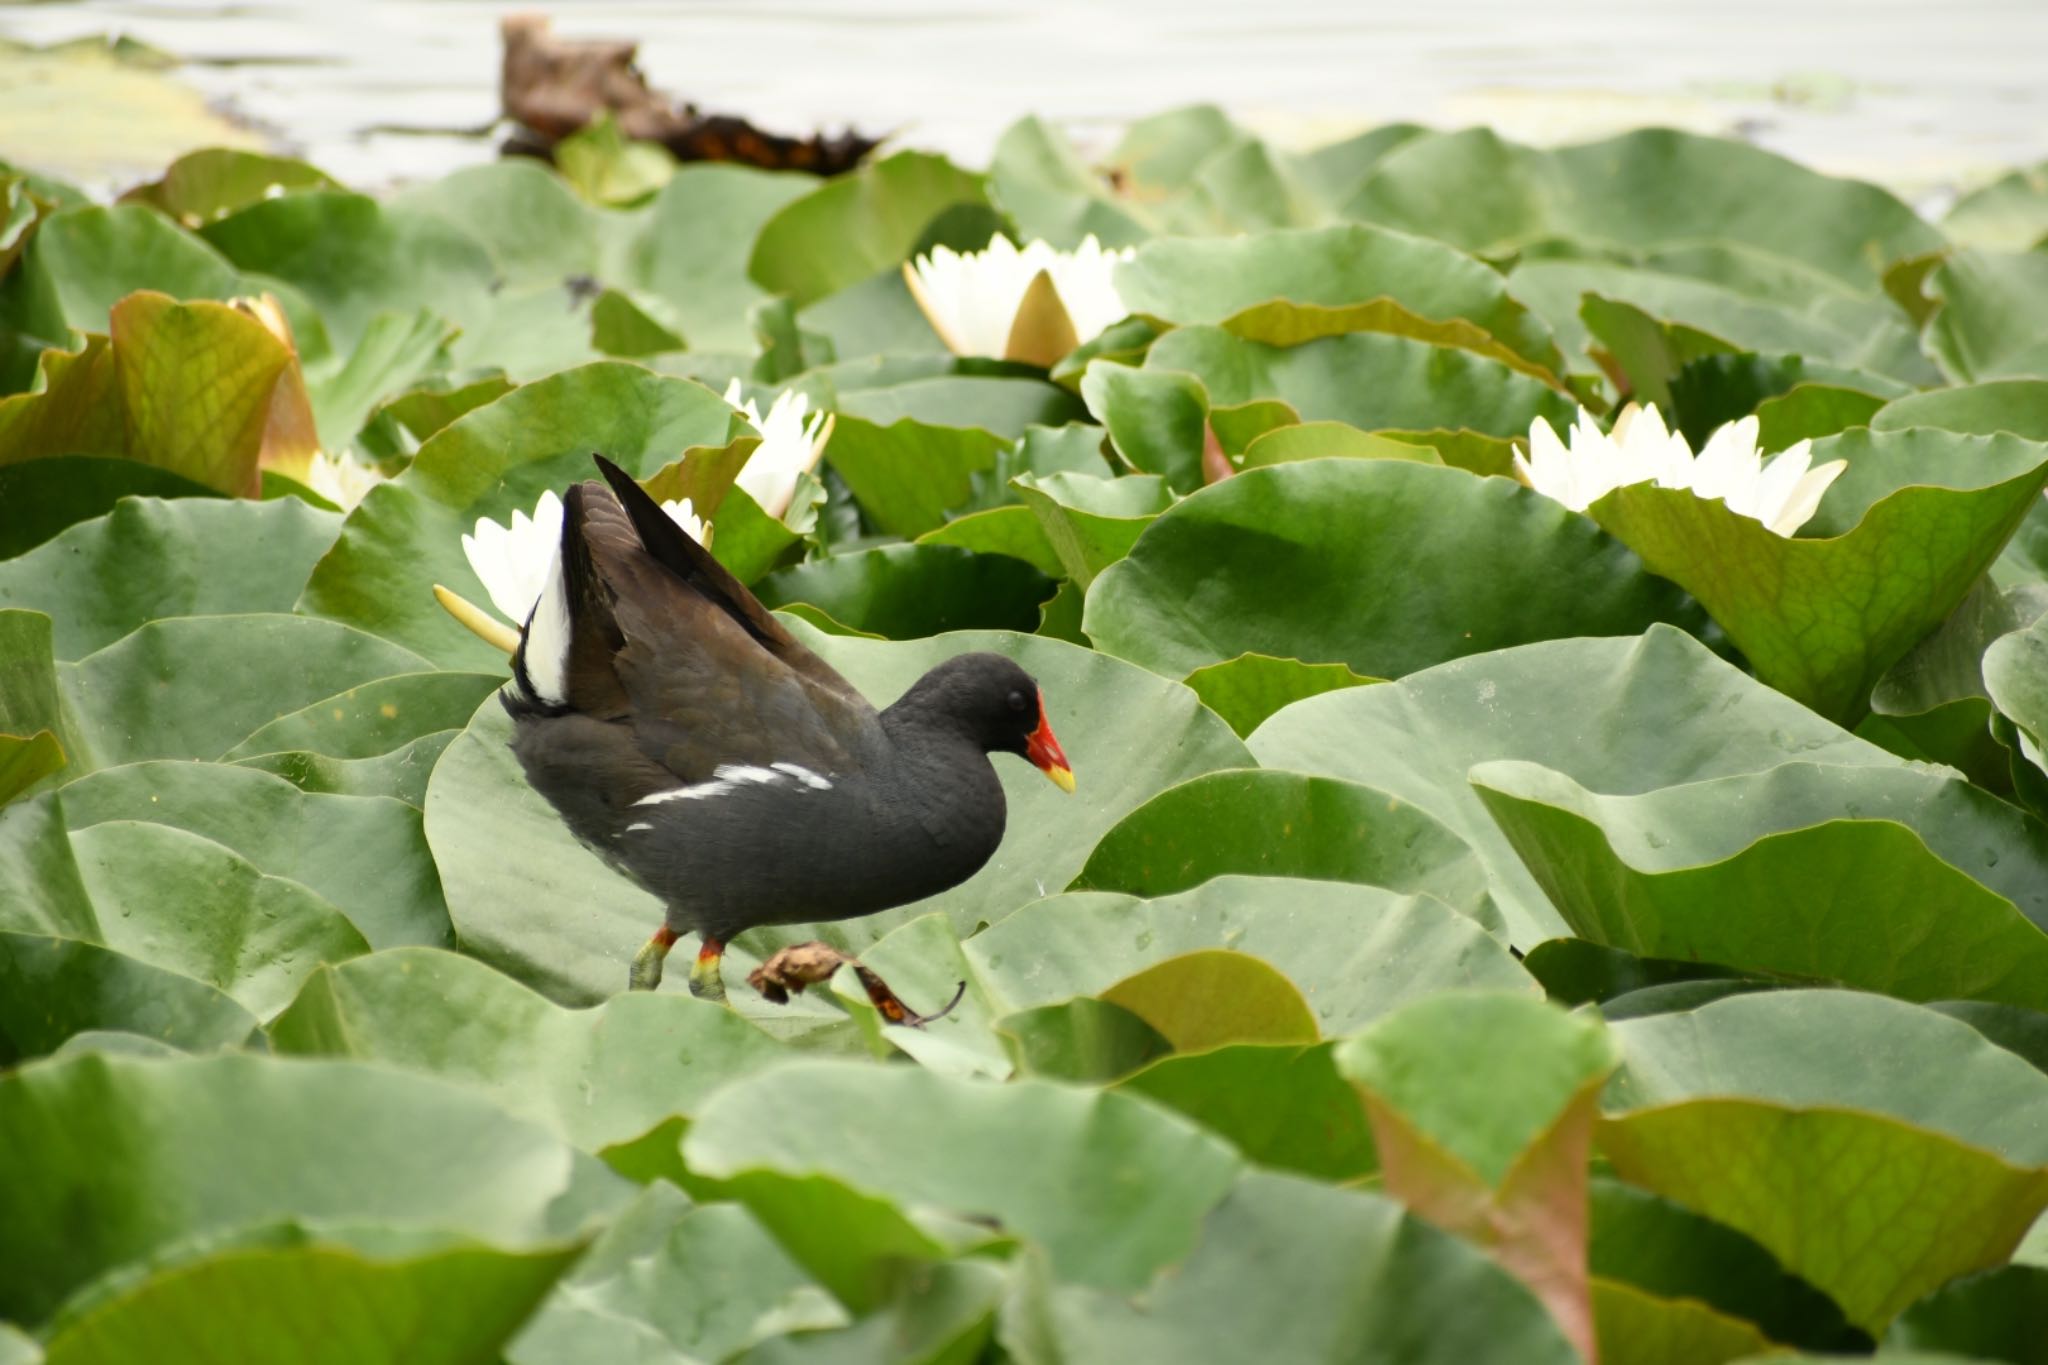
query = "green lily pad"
{"x": 1805, "y": 871}
{"x": 1091, "y": 522}
{"x": 1261, "y": 822}
{"x": 908, "y": 475}
{"x": 1415, "y": 384}
{"x": 1670, "y": 1252}
{"x": 1330, "y": 440}
{"x": 2019, "y": 406}
{"x": 150, "y": 558}
{"x": 1490, "y": 196}
{"x": 853, "y": 226}
{"x": 366, "y": 855}
{"x": 1821, "y": 620}
{"x": 120, "y": 1158}
{"x": 374, "y": 718}
{"x": 1354, "y": 952}
{"x": 1984, "y": 329}
{"x": 1835, "y": 323}
{"x": 26, "y": 760}
{"x": 903, "y": 591}
{"x": 1283, "y": 1105}
{"x": 320, "y": 1304}
{"x": 1809, "y": 411}
{"x": 1618, "y": 716}
{"x": 1157, "y": 418}
{"x": 699, "y": 1283}
{"x": 354, "y": 257}
{"x": 1251, "y": 687}
{"x": 125, "y": 713}
{"x": 177, "y": 900}
{"x": 2001, "y": 1314}
{"x": 1212, "y": 280}
{"x": 52, "y": 988}
{"x": 2009, "y": 214}
{"x": 1270, "y": 561}
{"x": 1874, "y": 1183}
{"x": 596, "y": 1077}
{"x": 48, "y": 496}
{"x": 407, "y": 534}
{"x": 1038, "y": 179}
{"x": 1136, "y": 1180}
{"x": 214, "y": 181}
{"x": 1368, "y": 1281}
{"x": 2013, "y": 674}
{"x": 1634, "y": 1326}
{"x": 1011, "y": 530}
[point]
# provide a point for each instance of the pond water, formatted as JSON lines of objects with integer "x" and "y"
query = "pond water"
{"x": 1917, "y": 94}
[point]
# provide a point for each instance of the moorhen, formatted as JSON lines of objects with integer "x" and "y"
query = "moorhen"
{"x": 690, "y": 740}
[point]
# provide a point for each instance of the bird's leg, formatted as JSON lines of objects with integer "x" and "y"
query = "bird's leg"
{"x": 646, "y": 973}
{"x": 705, "y": 981}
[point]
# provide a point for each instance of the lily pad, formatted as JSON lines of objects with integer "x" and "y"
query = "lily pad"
{"x": 1145, "y": 1177}
{"x": 1490, "y": 196}
{"x": 596, "y": 1077}
{"x": 1821, "y": 620}
{"x": 1212, "y": 280}
{"x": 1270, "y": 562}
{"x": 1369, "y": 1282}
{"x": 407, "y": 534}
{"x": 1934, "y": 1159}
{"x": 1262, "y": 822}
{"x": 1415, "y": 384}
{"x": 1618, "y": 716}
{"x": 853, "y": 226}
{"x": 223, "y": 1143}
{"x": 320, "y": 1304}
{"x": 1092, "y": 522}
{"x": 1803, "y": 871}
{"x": 125, "y": 712}
{"x": 1394, "y": 948}
{"x": 366, "y": 855}
{"x": 1983, "y": 330}
{"x": 52, "y": 988}
{"x": 1251, "y": 687}
{"x": 150, "y": 558}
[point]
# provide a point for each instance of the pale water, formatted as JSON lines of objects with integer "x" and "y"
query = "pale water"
{"x": 1921, "y": 94}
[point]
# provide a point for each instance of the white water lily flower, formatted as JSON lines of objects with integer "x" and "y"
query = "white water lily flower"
{"x": 1783, "y": 494}
{"x": 515, "y": 562}
{"x": 791, "y": 443}
{"x": 972, "y": 299}
{"x": 340, "y": 480}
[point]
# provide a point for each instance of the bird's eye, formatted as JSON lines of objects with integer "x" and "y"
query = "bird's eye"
{"x": 1019, "y": 702}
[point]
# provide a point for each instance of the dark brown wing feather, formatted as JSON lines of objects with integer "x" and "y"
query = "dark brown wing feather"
{"x": 708, "y": 675}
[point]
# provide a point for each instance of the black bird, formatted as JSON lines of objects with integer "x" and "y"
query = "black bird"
{"x": 692, "y": 741}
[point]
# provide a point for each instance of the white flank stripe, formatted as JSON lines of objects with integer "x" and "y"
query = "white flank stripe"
{"x": 547, "y": 637}
{"x": 696, "y": 793}
{"x": 805, "y": 776}
{"x": 638, "y": 825}
{"x": 743, "y": 772}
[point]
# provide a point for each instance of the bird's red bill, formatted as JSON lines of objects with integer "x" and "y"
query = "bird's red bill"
{"x": 1044, "y": 752}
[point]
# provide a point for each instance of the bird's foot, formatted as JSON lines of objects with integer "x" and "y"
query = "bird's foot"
{"x": 646, "y": 973}
{"x": 806, "y": 964}
{"x": 706, "y": 982}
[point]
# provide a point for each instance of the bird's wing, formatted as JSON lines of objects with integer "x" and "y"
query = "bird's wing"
{"x": 707, "y": 675}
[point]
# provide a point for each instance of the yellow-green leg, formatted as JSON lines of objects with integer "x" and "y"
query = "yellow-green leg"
{"x": 705, "y": 981}
{"x": 646, "y": 973}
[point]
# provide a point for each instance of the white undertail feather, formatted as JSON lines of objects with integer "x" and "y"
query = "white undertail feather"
{"x": 547, "y": 638}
